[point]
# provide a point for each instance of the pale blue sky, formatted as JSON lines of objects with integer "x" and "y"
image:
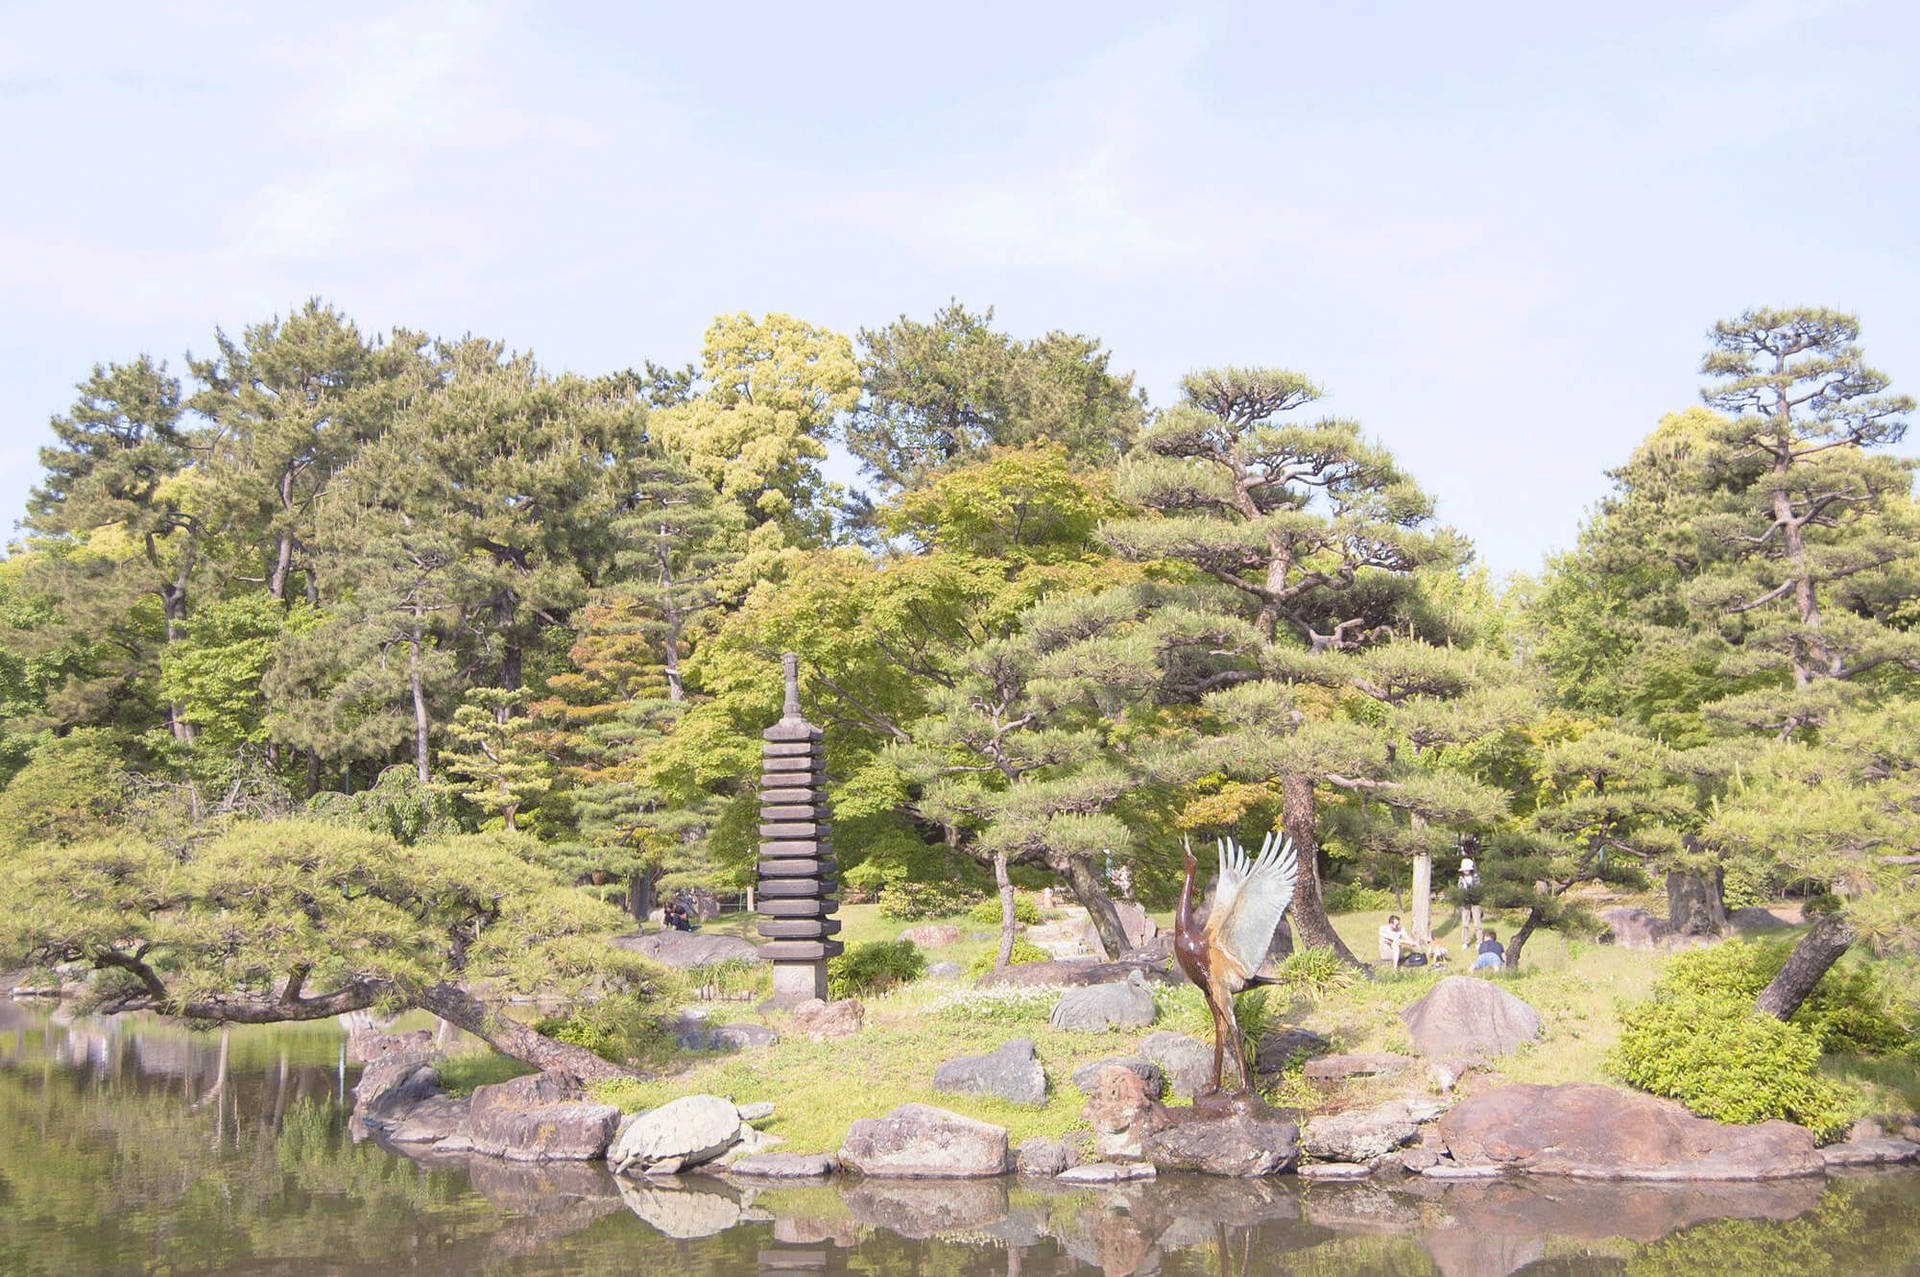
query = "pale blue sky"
{"x": 1496, "y": 233}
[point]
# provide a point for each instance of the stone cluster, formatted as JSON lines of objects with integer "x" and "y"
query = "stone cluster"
{"x": 796, "y": 875}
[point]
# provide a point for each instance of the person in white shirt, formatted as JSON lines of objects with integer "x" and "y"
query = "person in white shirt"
{"x": 1393, "y": 940}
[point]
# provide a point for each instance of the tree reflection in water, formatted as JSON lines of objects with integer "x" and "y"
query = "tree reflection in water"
{"x": 140, "y": 1146}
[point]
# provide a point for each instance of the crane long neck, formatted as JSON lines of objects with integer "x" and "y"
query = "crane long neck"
{"x": 1183, "y": 916}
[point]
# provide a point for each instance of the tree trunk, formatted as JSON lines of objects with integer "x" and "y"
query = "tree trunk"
{"x": 1696, "y": 905}
{"x": 1422, "y": 909}
{"x": 313, "y": 771}
{"x": 640, "y": 896}
{"x": 1009, "y": 920}
{"x": 417, "y": 688}
{"x": 511, "y": 1038}
{"x": 1309, "y": 909}
{"x": 1817, "y": 951}
{"x": 1518, "y": 941}
{"x": 1106, "y": 919}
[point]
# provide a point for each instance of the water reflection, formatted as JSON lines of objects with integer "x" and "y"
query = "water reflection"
{"x": 141, "y": 1146}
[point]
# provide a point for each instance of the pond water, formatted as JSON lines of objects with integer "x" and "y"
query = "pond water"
{"x": 139, "y": 1146}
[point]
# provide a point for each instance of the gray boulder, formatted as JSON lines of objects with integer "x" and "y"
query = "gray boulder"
{"x": 824, "y": 1021}
{"x": 1277, "y": 1050}
{"x": 945, "y": 971}
{"x": 684, "y": 950}
{"x": 1099, "y": 1007}
{"x": 1107, "y": 1173}
{"x": 1632, "y": 928}
{"x": 439, "y": 1120}
{"x": 1187, "y": 1062}
{"x": 1751, "y": 918}
{"x": 1134, "y": 923}
{"x": 932, "y": 935}
{"x": 1359, "y": 1135}
{"x": 1339, "y": 1068}
{"x": 919, "y": 1141}
{"x": 540, "y": 1118}
{"x": 1088, "y": 1075}
{"x": 391, "y": 1086}
{"x": 1886, "y": 1151}
{"x": 694, "y": 1035}
{"x": 1466, "y": 1016}
{"x": 1242, "y": 1143}
{"x": 1010, "y": 1073}
{"x": 783, "y": 1166}
{"x": 1334, "y": 1170}
{"x": 684, "y": 1132}
{"x": 1042, "y": 1156}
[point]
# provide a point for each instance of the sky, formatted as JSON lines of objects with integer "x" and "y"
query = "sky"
{"x": 1496, "y": 234}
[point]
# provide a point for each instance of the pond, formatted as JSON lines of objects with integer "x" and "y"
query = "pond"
{"x": 140, "y": 1146}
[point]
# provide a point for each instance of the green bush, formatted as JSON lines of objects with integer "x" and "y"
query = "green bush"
{"x": 1025, "y": 910}
{"x": 874, "y": 967}
{"x": 1351, "y": 897}
{"x": 1725, "y": 1061}
{"x": 1313, "y": 973}
{"x": 1024, "y": 950}
{"x": 1851, "y": 1011}
{"x": 912, "y": 901}
{"x": 618, "y": 1029}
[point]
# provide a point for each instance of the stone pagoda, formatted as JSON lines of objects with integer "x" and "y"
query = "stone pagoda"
{"x": 796, "y": 853}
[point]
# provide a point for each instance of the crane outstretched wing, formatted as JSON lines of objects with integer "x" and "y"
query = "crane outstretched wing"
{"x": 1249, "y": 898}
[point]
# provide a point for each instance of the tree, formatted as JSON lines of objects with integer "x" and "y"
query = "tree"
{"x": 498, "y": 754}
{"x": 771, "y": 390}
{"x": 945, "y": 392}
{"x": 1313, "y": 531}
{"x": 302, "y": 920}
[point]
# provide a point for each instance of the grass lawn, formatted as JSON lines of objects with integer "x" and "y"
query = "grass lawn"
{"x": 818, "y": 1089}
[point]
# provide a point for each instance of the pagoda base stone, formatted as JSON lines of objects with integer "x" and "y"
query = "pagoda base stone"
{"x": 797, "y": 982}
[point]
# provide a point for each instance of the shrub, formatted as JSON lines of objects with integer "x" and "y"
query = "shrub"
{"x": 911, "y": 901}
{"x": 1351, "y": 897}
{"x": 1024, "y": 950}
{"x": 1313, "y": 973}
{"x": 1850, "y": 1011}
{"x": 1025, "y": 910}
{"x": 618, "y": 1029}
{"x": 1724, "y": 1061}
{"x": 874, "y": 967}
{"x": 734, "y": 980}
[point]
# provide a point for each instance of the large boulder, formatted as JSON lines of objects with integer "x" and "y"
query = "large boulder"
{"x": 1597, "y": 1132}
{"x": 393, "y": 1086}
{"x": 1043, "y": 1156}
{"x": 539, "y": 1118}
{"x": 681, "y": 1133}
{"x": 683, "y": 950}
{"x": 1134, "y": 922}
{"x": 1360, "y": 1135}
{"x": 783, "y": 1166}
{"x": 1119, "y": 1110}
{"x": 693, "y": 1034}
{"x": 820, "y": 1021}
{"x": 919, "y": 1141}
{"x": 1010, "y": 1073}
{"x": 1277, "y": 1050}
{"x": 1749, "y": 919}
{"x": 1099, "y": 1007}
{"x": 1632, "y": 928}
{"x": 1088, "y": 1075}
{"x": 439, "y": 1120}
{"x": 932, "y": 935}
{"x": 1187, "y": 1062}
{"x": 1243, "y": 1140}
{"x": 1464, "y": 1015}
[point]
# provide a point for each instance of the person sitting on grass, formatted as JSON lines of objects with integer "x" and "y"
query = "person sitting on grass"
{"x": 1492, "y": 956}
{"x": 1394, "y": 942}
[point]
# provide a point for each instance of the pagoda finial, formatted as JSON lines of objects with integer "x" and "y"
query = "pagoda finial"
{"x": 791, "y": 663}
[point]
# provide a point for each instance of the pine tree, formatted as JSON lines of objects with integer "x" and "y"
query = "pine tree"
{"x": 496, "y": 752}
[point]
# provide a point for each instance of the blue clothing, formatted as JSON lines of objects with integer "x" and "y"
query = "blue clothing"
{"x": 1487, "y": 962}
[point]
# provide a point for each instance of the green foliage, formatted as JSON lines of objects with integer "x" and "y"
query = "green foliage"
{"x": 1026, "y": 910}
{"x": 464, "y": 1070}
{"x": 1352, "y": 897}
{"x": 397, "y": 804}
{"x": 874, "y": 967}
{"x": 622, "y": 1029}
{"x": 1724, "y": 1061}
{"x": 496, "y": 751}
{"x": 1314, "y": 973}
{"x": 1851, "y": 1010}
{"x": 911, "y": 901}
{"x": 1024, "y": 950}
{"x": 72, "y": 788}
{"x": 734, "y": 980}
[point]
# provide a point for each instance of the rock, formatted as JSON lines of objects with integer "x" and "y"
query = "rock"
{"x": 440, "y": 1120}
{"x": 1422, "y": 1110}
{"x": 945, "y": 971}
{"x": 1154, "y": 1080}
{"x": 1107, "y": 1173}
{"x": 1464, "y": 1015}
{"x": 1359, "y": 1135}
{"x": 364, "y": 1042}
{"x": 1886, "y": 1151}
{"x": 1099, "y": 1007}
{"x": 1451, "y": 1170}
{"x": 1010, "y": 1073}
{"x": 1419, "y": 1158}
{"x": 1446, "y": 1074}
{"x": 824, "y": 1021}
{"x": 759, "y": 1111}
{"x": 1079, "y": 971}
{"x": 686, "y": 949}
{"x": 932, "y": 935}
{"x": 1751, "y": 918}
{"x": 918, "y": 1141}
{"x": 1338, "y": 1068}
{"x": 540, "y": 1118}
{"x": 392, "y": 1086}
{"x": 1116, "y": 1104}
{"x": 1187, "y": 1062}
{"x": 1134, "y": 922}
{"x": 1597, "y": 1132}
{"x": 1277, "y": 1050}
{"x": 1333, "y": 1170}
{"x": 783, "y": 1166}
{"x": 1042, "y": 1156}
{"x": 693, "y": 1035}
{"x": 1632, "y": 928}
{"x": 687, "y": 1131}
{"x": 1244, "y": 1139}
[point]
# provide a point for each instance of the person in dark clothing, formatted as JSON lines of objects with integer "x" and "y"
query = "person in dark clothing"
{"x": 1492, "y": 956}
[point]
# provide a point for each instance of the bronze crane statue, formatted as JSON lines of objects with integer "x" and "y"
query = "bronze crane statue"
{"x": 1224, "y": 956}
